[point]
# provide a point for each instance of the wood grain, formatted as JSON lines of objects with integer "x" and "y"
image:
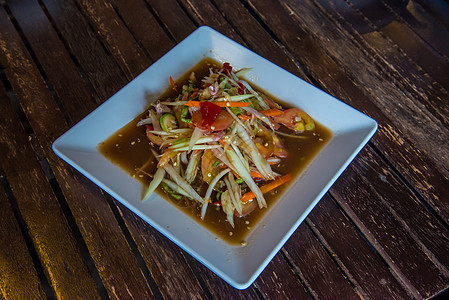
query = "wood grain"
{"x": 417, "y": 49}
{"x": 91, "y": 56}
{"x": 356, "y": 257}
{"x": 144, "y": 27}
{"x": 18, "y": 276}
{"x": 165, "y": 260}
{"x": 254, "y": 36}
{"x": 390, "y": 59}
{"x": 118, "y": 40}
{"x": 423, "y": 24}
{"x": 315, "y": 267}
{"x": 383, "y": 94}
{"x": 51, "y": 235}
{"x": 173, "y": 17}
{"x": 391, "y": 141}
{"x": 427, "y": 229}
{"x": 279, "y": 281}
{"x": 396, "y": 245}
{"x": 104, "y": 239}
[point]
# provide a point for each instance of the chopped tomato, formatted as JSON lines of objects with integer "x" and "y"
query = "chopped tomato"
{"x": 223, "y": 121}
{"x": 209, "y": 112}
{"x": 295, "y": 119}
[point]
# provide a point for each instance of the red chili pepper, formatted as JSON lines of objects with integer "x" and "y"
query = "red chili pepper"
{"x": 227, "y": 69}
{"x": 241, "y": 89}
{"x": 209, "y": 112}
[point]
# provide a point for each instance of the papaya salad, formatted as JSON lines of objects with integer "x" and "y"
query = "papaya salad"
{"x": 218, "y": 141}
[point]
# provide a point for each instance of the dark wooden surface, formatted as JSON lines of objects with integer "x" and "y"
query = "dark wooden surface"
{"x": 382, "y": 230}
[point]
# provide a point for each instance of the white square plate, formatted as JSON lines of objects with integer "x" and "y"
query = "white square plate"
{"x": 237, "y": 265}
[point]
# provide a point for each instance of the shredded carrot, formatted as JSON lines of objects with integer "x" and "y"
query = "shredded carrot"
{"x": 268, "y": 187}
{"x": 268, "y": 113}
{"x": 223, "y": 143}
{"x": 272, "y": 112}
{"x": 244, "y": 117}
{"x": 256, "y": 174}
{"x": 193, "y": 96}
{"x": 173, "y": 84}
{"x": 235, "y": 174}
{"x": 220, "y": 103}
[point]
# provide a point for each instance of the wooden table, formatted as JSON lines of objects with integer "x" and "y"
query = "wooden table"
{"x": 380, "y": 232}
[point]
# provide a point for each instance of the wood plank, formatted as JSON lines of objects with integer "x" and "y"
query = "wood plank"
{"x": 173, "y": 17}
{"x": 384, "y": 94}
{"x": 144, "y": 27}
{"x": 415, "y": 48}
{"x": 254, "y": 36}
{"x": 19, "y": 277}
{"x": 424, "y": 175}
{"x": 137, "y": 232}
{"x": 365, "y": 268}
{"x": 423, "y": 225}
{"x": 219, "y": 289}
{"x": 278, "y": 281}
{"x": 438, "y": 9}
{"x": 104, "y": 239}
{"x": 116, "y": 37}
{"x": 316, "y": 268}
{"x": 391, "y": 60}
{"x": 58, "y": 66}
{"x": 422, "y": 24}
{"x": 204, "y": 12}
{"x": 47, "y": 225}
{"x": 92, "y": 58}
{"x": 398, "y": 248}
{"x": 174, "y": 277}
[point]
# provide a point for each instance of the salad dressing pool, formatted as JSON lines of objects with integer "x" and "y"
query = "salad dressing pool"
{"x": 130, "y": 149}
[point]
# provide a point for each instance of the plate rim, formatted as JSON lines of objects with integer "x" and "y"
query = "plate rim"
{"x": 248, "y": 280}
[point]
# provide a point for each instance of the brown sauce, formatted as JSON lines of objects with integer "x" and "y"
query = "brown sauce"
{"x": 129, "y": 148}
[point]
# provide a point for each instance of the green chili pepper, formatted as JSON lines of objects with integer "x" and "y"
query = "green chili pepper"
{"x": 184, "y": 112}
{"x": 235, "y": 110}
{"x": 170, "y": 191}
{"x": 256, "y": 127}
{"x": 239, "y": 181}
